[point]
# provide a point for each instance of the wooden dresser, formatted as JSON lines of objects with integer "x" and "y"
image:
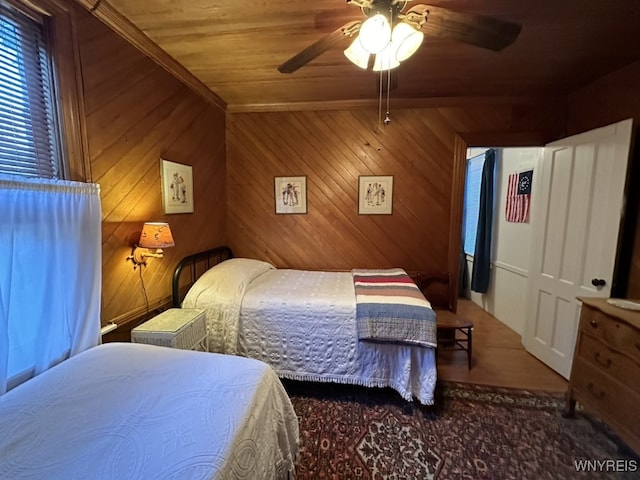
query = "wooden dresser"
{"x": 605, "y": 375}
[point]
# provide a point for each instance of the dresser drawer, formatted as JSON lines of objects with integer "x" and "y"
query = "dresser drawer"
{"x": 617, "y": 334}
{"x": 613, "y": 363}
{"x": 611, "y": 399}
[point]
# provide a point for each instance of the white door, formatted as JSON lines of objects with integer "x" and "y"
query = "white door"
{"x": 578, "y": 195}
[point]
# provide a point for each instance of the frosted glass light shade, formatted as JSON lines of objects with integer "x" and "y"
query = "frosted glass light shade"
{"x": 375, "y": 33}
{"x": 357, "y": 54}
{"x": 386, "y": 60}
{"x": 405, "y": 40}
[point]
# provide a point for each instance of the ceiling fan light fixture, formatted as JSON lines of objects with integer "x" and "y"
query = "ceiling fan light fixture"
{"x": 357, "y": 54}
{"x": 375, "y": 33}
{"x": 405, "y": 40}
{"x": 386, "y": 60}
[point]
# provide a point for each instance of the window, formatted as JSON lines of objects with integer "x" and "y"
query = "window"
{"x": 42, "y": 121}
{"x": 29, "y": 139}
{"x": 472, "y": 202}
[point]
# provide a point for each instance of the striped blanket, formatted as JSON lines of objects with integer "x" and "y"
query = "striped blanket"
{"x": 391, "y": 307}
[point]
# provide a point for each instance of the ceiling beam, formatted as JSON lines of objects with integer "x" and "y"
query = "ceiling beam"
{"x": 432, "y": 102}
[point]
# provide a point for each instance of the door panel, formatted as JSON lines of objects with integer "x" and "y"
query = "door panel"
{"x": 576, "y": 216}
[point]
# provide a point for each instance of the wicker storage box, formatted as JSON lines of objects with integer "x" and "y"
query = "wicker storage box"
{"x": 182, "y": 328}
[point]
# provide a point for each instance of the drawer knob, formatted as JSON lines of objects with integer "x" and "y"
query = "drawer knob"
{"x": 596, "y": 393}
{"x": 594, "y": 323}
{"x": 605, "y": 363}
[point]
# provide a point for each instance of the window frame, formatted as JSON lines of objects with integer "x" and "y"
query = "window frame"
{"x": 61, "y": 36}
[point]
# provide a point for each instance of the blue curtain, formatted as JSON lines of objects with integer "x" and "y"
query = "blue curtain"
{"x": 481, "y": 273}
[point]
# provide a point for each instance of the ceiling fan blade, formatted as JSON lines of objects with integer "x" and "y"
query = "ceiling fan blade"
{"x": 319, "y": 47}
{"x": 479, "y": 30}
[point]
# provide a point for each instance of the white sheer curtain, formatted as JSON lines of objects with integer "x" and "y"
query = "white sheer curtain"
{"x": 50, "y": 274}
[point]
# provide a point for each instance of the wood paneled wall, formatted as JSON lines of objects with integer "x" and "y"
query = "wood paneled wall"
{"x": 611, "y": 99}
{"x": 136, "y": 114}
{"x": 332, "y": 148}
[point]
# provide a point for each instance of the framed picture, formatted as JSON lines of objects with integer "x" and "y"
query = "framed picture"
{"x": 177, "y": 187}
{"x": 375, "y": 195}
{"x": 291, "y": 194}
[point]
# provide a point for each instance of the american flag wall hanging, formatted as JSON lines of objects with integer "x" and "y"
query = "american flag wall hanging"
{"x": 519, "y": 197}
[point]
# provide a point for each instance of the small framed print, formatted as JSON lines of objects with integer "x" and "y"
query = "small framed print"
{"x": 375, "y": 195}
{"x": 291, "y": 194}
{"x": 177, "y": 187}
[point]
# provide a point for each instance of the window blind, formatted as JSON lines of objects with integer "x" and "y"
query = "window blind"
{"x": 28, "y": 130}
{"x": 472, "y": 202}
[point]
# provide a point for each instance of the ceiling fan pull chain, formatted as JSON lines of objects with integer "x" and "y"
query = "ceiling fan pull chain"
{"x": 387, "y": 118}
{"x": 380, "y": 102}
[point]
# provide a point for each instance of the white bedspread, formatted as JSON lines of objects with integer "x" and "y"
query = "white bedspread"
{"x": 134, "y": 411}
{"x": 303, "y": 323}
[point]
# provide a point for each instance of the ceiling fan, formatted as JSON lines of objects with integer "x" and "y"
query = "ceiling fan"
{"x": 395, "y": 34}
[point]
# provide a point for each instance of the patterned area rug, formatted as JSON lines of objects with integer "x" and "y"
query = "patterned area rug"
{"x": 473, "y": 432}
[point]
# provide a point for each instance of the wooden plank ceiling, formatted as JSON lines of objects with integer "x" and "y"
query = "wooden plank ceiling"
{"x": 234, "y": 48}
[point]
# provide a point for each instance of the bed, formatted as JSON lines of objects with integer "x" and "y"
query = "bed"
{"x": 303, "y": 323}
{"x": 123, "y": 410}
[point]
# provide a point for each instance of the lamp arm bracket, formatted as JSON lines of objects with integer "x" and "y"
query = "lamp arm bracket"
{"x": 153, "y": 255}
{"x": 139, "y": 255}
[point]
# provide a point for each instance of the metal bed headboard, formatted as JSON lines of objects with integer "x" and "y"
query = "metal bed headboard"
{"x": 195, "y": 265}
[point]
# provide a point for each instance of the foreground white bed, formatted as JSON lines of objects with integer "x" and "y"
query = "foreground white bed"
{"x": 303, "y": 323}
{"x": 133, "y": 411}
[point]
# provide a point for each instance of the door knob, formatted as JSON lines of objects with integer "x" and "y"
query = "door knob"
{"x": 598, "y": 282}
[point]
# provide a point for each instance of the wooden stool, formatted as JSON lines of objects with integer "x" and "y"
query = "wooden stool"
{"x": 449, "y": 324}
